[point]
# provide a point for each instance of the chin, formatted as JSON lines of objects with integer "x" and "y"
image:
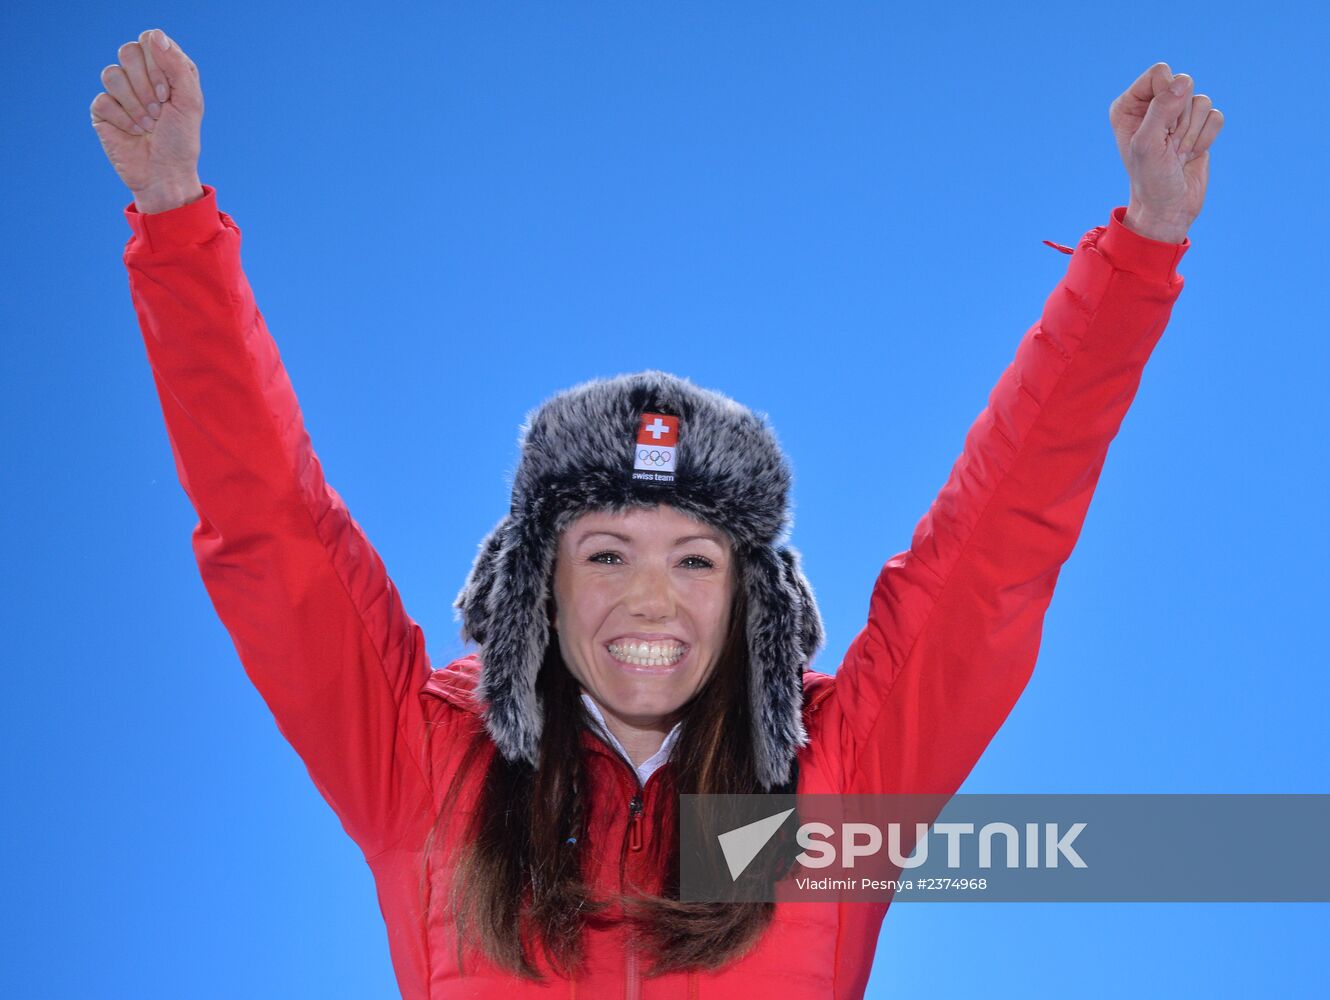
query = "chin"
{"x": 644, "y": 708}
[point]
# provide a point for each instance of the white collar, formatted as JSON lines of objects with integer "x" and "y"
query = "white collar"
{"x": 648, "y": 766}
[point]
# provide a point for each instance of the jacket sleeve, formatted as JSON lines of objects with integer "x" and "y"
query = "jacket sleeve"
{"x": 954, "y": 623}
{"x": 316, "y": 622}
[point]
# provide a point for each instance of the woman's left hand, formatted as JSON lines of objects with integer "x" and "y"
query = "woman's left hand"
{"x": 1164, "y": 138}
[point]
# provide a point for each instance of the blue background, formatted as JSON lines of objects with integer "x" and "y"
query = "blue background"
{"x": 833, "y": 213}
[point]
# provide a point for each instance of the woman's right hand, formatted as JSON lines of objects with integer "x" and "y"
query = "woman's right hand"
{"x": 149, "y": 119}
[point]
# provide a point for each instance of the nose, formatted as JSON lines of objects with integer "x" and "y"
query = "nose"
{"x": 650, "y": 594}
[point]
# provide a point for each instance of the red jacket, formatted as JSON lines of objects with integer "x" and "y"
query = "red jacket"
{"x": 951, "y": 638}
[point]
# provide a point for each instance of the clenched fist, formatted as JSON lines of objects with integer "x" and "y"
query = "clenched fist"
{"x": 149, "y": 119}
{"x": 1164, "y": 134}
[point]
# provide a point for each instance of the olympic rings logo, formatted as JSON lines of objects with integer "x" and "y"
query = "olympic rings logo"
{"x": 654, "y": 456}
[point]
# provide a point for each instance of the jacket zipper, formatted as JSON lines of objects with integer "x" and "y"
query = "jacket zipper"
{"x": 633, "y": 985}
{"x": 633, "y": 990}
{"x": 635, "y": 823}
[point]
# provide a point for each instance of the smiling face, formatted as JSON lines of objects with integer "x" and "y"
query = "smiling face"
{"x": 642, "y": 605}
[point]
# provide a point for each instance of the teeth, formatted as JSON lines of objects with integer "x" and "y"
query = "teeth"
{"x": 647, "y": 654}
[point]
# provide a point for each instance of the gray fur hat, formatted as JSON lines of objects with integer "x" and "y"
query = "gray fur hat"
{"x": 641, "y": 440}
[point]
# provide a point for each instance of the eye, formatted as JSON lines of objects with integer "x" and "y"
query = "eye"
{"x": 704, "y": 562}
{"x": 599, "y": 556}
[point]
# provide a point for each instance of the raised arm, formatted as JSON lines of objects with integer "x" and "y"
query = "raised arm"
{"x": 955, "y": 621}
{"x": 315, "y": 619}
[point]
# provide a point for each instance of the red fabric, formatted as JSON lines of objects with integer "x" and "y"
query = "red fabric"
{"x": 950, "y": 640}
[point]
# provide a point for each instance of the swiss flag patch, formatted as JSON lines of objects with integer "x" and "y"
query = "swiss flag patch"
{"x": 657, "y": 448}
{"x": 658, "y": 429}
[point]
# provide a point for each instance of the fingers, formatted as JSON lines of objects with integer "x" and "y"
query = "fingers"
{"x": 106, "y": 108}
{"x": 117, "y": 84}
{"x": 138, "y": 83}
{"x": 1162, "y": 78}
{"x": 1136, "y": 98}
{"x": 1178, "y": 129}
{"x": 1169, "y": 114}
{"x": 136, "y": 71}
{"x": 1186, "y": 138}
{"x": 1214, "y": 121}
{"x": 160, "y": 88}
{"x": 178, "y": 69}
{"x": 151, "y": 70}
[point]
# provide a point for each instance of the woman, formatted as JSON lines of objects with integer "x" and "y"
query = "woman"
{"x": 643, "y": 630}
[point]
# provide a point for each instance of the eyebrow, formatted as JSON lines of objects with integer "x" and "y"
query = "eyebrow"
{"x": 708, "y": 537}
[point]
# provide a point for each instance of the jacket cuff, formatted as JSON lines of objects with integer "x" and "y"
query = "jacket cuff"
{"x": 1130, "y": 251}
{"x": 196, "y": 222}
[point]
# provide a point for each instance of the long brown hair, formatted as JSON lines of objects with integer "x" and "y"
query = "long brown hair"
{"x": 517, "y": 880}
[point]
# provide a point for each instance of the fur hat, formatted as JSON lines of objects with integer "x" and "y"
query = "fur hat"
{"x": 641, "y": 440}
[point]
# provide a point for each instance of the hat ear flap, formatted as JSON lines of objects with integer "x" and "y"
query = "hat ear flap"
{"x": 777, "y": 635}
{"x": 811, "y": 634}
{"x": 472, "y": 600}
{"x": 511, "y": 656}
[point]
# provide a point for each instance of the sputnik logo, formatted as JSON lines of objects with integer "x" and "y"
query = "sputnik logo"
{"x": 742, "y": 844}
